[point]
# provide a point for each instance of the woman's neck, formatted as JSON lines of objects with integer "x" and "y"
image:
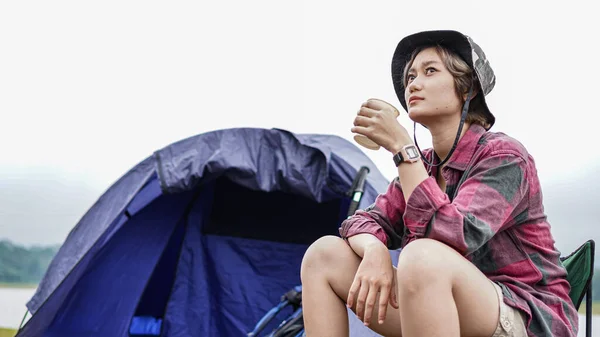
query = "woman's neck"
{"x": 443, "y": 137}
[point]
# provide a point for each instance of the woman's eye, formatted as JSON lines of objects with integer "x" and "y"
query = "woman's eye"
{"x": 410, "y": 78}
{"x": 430, "y": 70}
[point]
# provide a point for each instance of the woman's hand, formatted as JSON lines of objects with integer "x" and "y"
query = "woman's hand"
{"x": 376, "y": 120}
{"x": 374, "y": 278}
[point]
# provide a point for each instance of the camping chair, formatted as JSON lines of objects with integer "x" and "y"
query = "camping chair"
{"x": 580, "y": 270}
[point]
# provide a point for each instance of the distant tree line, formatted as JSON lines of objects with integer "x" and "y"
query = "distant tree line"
{"x": 24, "y": 265}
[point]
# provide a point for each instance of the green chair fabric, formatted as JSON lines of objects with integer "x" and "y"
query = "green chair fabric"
{"x": 580, "y": 270}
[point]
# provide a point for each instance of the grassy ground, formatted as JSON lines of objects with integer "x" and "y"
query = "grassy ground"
{"x": 7, "y": 332}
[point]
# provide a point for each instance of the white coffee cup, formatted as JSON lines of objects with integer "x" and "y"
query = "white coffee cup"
{"x": 364, "y": 140}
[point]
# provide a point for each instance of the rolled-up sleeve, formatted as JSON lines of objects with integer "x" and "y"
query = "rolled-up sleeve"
{"x": 383, "y": 219}
{"x": 492, "y": 195}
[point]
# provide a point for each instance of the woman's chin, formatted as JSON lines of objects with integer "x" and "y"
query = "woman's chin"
{"x": 417, "y": 115}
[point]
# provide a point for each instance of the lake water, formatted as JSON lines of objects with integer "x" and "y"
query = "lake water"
{"x": 12, "y": 305}
{"x": 12, "y": 309}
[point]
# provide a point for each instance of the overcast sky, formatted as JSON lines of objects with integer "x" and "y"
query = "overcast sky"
{"x": 89, "y": 89}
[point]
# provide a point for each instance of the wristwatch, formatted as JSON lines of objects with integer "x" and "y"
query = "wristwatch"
{"x": 408, "y": 153}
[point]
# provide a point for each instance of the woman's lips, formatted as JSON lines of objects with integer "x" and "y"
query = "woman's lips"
{"x": 414, "y": 99}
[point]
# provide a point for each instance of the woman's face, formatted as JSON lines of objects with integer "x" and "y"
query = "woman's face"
{"x": 430, "y": 93}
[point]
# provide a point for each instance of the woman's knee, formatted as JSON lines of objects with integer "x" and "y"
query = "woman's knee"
{"x": 423, "y": 262}
{"x": 326, "y": 252}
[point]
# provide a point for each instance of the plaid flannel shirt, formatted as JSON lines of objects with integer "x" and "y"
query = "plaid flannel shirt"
{"x": 491, "y": 213}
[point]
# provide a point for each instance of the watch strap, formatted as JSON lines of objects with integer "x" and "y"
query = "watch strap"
{"x": 398, "y": 159}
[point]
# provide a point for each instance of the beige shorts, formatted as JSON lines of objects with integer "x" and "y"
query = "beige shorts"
{"x": 511, "y": 322}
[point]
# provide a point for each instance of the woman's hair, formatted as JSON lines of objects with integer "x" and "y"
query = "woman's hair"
{"x": 463, "y": 78}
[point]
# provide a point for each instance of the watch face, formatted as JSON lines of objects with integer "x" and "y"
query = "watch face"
{"x": 412, "y": 152}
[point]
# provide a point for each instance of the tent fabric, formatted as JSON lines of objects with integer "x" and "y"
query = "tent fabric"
{"x": 145, "y": 326}
{"x": 90, "y": 228}
{"x": 269, "y": 160}
{"x": 203, "y": 236}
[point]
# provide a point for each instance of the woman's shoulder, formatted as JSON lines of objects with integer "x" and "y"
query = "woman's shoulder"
{"x": 499, "y": 143}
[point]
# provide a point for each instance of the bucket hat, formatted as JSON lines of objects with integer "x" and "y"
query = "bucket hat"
{"x": 461, "y": 44}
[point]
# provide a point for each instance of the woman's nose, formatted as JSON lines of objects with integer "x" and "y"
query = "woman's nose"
{"x": 414, "y": 85}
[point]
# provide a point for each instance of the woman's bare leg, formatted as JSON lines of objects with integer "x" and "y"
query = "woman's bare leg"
{"x": 442, "y": 294}
{"x": 328, "y": 269}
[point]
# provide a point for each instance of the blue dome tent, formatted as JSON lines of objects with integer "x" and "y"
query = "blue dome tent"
{"x": 200, "y": 238}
